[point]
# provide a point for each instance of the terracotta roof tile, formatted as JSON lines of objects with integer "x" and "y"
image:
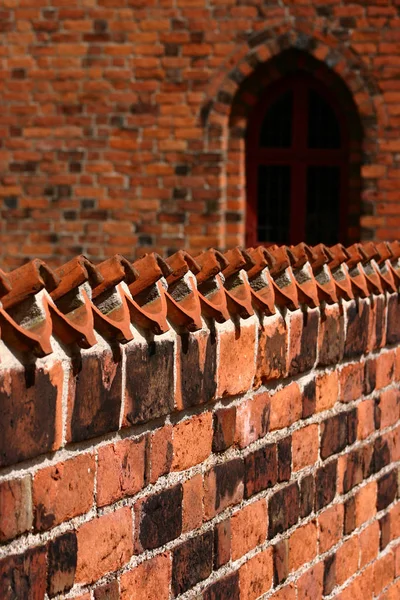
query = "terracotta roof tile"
{"x": 80, "y": 298}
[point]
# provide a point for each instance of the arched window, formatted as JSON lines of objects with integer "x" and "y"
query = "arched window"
{"x": 297, "y": 157}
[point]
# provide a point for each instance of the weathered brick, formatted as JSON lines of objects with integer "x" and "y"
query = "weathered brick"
{"x": 365, "y": 419}
{"x": 16, "y": 515}
{"x": 365, "y": 500}
{"x": 248, "y": 528}
{"x": 388, "y": 405}
{"x": 149, "y": 581}
{"x": 351, "y": 380}
{"x": 159, "y": 518}
{"x": 149, "y": 373}
{"x": 192, "y": 504}
{"x": 253, "y": 419}
{"x": 325, "y": 484}
{"x": 236, "y": 362}
{"x": 226, "y": 588}
{"x": 307, "y": 495}
{"x": 196, "y": 368}
{"x": 283, "y": 510}
{"x": 161, "y": 452}
{"x": 309, "y": 399}
{"x": 272, "y": 349}
{"x": 285, "y": 459}
{"x": 303, "y": 341}
{"x": 281, "y": 561}
{"x": 62, "y": 558}
{"x": 255, "y": 575}
{"x": 331, "y": 337}
{"x": 369, "y": 543}
{"x": 94, "y": 399}
{"x": 286, "y": 407}
{"x": 333, "y": 435}
{"x": 224, "y": 421}
{"x": 393, "y": 317}
{"x": 311, "y": 583}
{"x": 330, "y": 527}
{"x": 347, "y": 560}
{"x": 223, "y": 486}
{"x": 120, "y": 470}
{"x": 305, "y": 443}
{"x": 222, "y": 543}
{"x": 383, "y": 572}
{"x": 357, "y": 329}
{"x": 326, "y": 391}
{"x": 302, "y": 546}
{"x": 63, "y": 491}
{"x": 387, "y": 489}
{"x": 108, "y": 591}
{"x": 24, "y": 575}
{"x": 104, "y": 545}
{"x": 191, "y": 441}
{"x": 192, "y": 562}
{"x": 261, "y": 470}
{"x": 34, "y": 426}
{"x": 329, "y": 581}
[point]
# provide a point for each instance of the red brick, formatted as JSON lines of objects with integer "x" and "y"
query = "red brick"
{"x": 272, "y": 349}
{"x": 252, "y": 419}
{"x": 192, "y": 561}
{"x": 365, "y": 500}
{"x": 392, "y": 592}
{"x": 94, "y": 398}
{"x": 161, "y": 452}
{"x": 384, "y": 369}
{"x": 326, "y": 391}
{"x": 120, "y": 470}
{"x": 223, "y": 487}
{"x": 347, "y": 560}
{"x": 351, "y": 378}
{"x": 330, "y": 527}
{"x": 361, "y": 587}
{"x": 394, "y": 516}
{"x": 24, "y": 575}
{"x": 286, "y": 593}
{"x": 389, "y": 407}
{"x": 104, "y": 545}
{"x": 249, "y": 528}
{"x": 222, "y": 543}
{"x": 151, "y": 580}
{"x": 192, "y": 506}
{"x": 305, "y": 443}
{"x": 158, "y": 518}
{"x": 236, "y": 366}
{"x": 286, "y": 407}
{"x": 63, "y": 491}
{"x": 224, "y": 429}
{"x": 255, "y": 576}
{"x": 302, "y": 546}
{"x": 61, "y": 563}
{"x": 383, "y": 572}
{"x": 34, "y": 426}
{"x": 16, "y": 514}
{"x": 310, "y": 585}
{"x": 369, "y": 543}
{"x": 365, "y": 419}
{"x": 191, "y": 441}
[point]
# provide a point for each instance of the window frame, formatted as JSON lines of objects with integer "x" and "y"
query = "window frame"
{"x": 298, "y": 156}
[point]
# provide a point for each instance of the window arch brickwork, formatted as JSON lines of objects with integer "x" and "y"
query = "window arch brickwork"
{"x": 232, "y": 95}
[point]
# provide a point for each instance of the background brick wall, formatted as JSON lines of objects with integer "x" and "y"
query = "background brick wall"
{"x": 269, "y": 469}
{"x": 114, "y": 124}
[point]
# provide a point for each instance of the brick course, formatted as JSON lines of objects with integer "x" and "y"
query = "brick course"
{"x": 288, "y": 489}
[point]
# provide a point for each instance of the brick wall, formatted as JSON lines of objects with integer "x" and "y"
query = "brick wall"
{"x": 114, "y": 124}
{"x": 254, "y": 454}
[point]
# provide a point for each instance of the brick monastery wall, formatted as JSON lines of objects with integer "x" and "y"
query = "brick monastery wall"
{"x": 114, "y": 121}
{"x": 250, "y": 448}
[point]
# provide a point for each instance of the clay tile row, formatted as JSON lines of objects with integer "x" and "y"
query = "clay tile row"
{"x": 80, "y": 298}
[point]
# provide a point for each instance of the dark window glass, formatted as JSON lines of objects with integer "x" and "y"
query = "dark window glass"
{"x": 273, "y": 203}
{"x": 323, "y": 126}
{"x": 276, "y": 131}
{"x": 323, "y": 190}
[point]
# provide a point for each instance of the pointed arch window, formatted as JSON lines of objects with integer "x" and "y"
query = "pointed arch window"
{"x": 297, "y": 157}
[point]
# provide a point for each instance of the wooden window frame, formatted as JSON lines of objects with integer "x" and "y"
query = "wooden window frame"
{"x": 298, "y": 156}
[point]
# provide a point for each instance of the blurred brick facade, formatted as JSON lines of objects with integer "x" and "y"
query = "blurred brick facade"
{"x": 117, "y": 132}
